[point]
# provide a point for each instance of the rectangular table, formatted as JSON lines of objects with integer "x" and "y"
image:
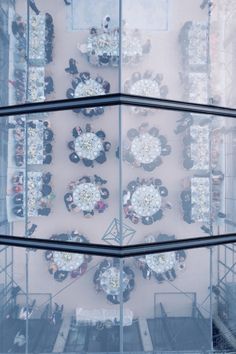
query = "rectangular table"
{"x": 200, "y": 199}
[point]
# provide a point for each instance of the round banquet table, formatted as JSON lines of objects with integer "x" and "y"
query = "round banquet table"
{"x": 110, "y": 281}
{"x": 145, "y": 148}
{"x": 145, "y": 87}
{"x": 146, "y": 200}
{"x": 68, "y": 261}
{"x": 104, "y": 43}
{"x": 88, "y": 146}
{"x": 89, "y": 88}
{"x": 86, "y": 195}
{"x": 161, "y": 262}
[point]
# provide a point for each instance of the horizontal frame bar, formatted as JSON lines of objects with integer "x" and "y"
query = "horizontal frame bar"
{"x": 117, "y": 251}
{"x": 114, "y": 100}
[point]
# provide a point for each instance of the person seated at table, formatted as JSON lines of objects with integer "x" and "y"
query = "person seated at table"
{"x": 74, "y": 157}
{"x": 93, "y": 31}
{"x": 99, "y": 180}
{"x": 47, "y": 159}
{"x": 48, "y": 148}
{"x": 105, "y": 264}
{"x": 188, "y": 139}
{"x": 18, "y": 211}
{"x": 88, "y": 112}
{"x": 181, "y": 255}
{"x": 101, "y": 206}
{"x": 68, "y": 199}
{"x": 18, "y": 198}
{"x": 146, "y": 272}
{"x": 84, "y": 76}
{"x": 44, "y": 211}
{"x": 104, "y": 192}
{"x": 46, "y": 190}
{"x": 19, "y": 149}
{"x": 206, "y": 229}
{"x": 106, "y": 86}
{"x": 187, "y": 217}
{"x": 72, "y": 69}
{"x": 126, "y": 295}
{"x": 101, "y": 158}
{"x": 85, "y": 179}
{"x": 31, "y": 124}
{"x": 75, "y": 82}
{"x": 88, "y": 163}
{"x": 98, "y": 111}
{"x": 19, "y": 160}
{"x": 147, "y": 220}
{"x": 101, "y": 134}
{"x": 52, "y": 268}
{"x": 104, "y": 59}
{"x": 88, "y": 128}
{"x": 48, "y": 255}
{"x": 76, "y": 131}
{"x": 48, "y": 134}
{"x": 70, "y": 93}
{"x": 88, "y": 214}
{"x": 165, "y": 150}
{"x": 106, "y": 146}
{"x": 113, "y": 299}
{"x": 48, "y": 85}
{"x": 71, "y": 145}
{"x": 158, "y": 215}
{"x": 131, "y": 284}
{"x": 60, "y": 275}
{"x": 47, "y": 177}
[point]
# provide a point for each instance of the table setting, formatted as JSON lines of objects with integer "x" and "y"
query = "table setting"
{"x": 110, "y": 281}
{"x": 88, "y": 146}
{"x": 86, "y": 196}
{"x": 146, "y": 200}
{"x": 200, "y": 199}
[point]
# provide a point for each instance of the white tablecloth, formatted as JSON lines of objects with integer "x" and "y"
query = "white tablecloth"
{"x": 67, "y": 261}
{"x": 145, "y": 148}
{"x": 37, "y": 38}
{"x": 35, "y": 144}
{"x": 146, "y": 200}
{"x": 200, "y": 149}
{"x": 110, "y": 281}
{"x": 200, "y": 197}
{"x": 36, "y": 84}
{"x": 162, "y": 262}
{"x": 145, "y": 87}
{"x": 89, "y": 88}
{"x": 86, "y": 195}
{"x": 88, "y": 146}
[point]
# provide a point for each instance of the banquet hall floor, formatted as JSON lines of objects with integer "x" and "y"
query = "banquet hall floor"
{"x": 72, "y": 292}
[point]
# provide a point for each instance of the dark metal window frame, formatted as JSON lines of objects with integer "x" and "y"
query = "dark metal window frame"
{"x": 117, "y": 99}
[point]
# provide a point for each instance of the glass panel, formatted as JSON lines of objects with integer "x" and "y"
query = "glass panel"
{"x": 68, "y": 187}
{"x": 179, "y": 50}
{"x": 177, "y": 175}
{"x": 167, "y": 302}
{"x": 67, "y": 51}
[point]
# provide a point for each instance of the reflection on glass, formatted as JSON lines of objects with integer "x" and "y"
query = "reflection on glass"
{"x": 179, "y": 301}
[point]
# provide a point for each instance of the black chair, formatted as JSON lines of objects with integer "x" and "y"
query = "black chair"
{"x": 159, "y": 78}
{"x": 181, "y": 254}
{"x": 48, "y": 135}
{"x": 126, "y": 295}
{"x": 47, "y": 159}
{"x": 127, "y": 156}
{"x": 129, "y": 271}
{"x": 87, "y": 162}
{"x": 44, "y": 211}
{"x": 46, "y": 190}
{"x": 173, "y": 274}
{"x": 74, "y": 157}
{"x": 101, "y": 134}
{"x": 166, "y": 150}
{"x": 96, "y": 276}
{"x": 147, "y": 74}
{"x": 71, "y": 145}
{"x": 18, "y": 198}
{"x": 85, "y": 179}
{"x": 164, "y": 91}
{"x": 163, "y": 191}
{"x": 188, "y": 164}
{"x": 149, "y": 167}
{"x": 98, "y": 111}
{"x": 113, "y": 299}
{"x": 154, "y": 131}
{"x": 168, "y": 276}
{"x": 107, "y": 146}
{"x": 132, "y": 133}
{"x": 47, "y": 177}
{"x": 159, "y": 277}
{"x": 101, "y": 158}
{"x": 18, "y": 211}
{"x": 132, "y": 186}
{"x": 162, "y": 140}
{"x": 70, "y": 93}
{"x": 147, "y": 220}
{"x": 48, "y": 148}
{"x": 99, "y": 180}
{"x": 104, "y": 193}
{"x": 75, "y": 133}
{"x": 88, "y": 128}
{"x": 131, "y": 284}
{"x": 104, "y": 265}
{"x": 104, "y": 59}
{"x": 75, "y": 82}
{"x": 60, "y": 275}
{"x": 158, "y": 182}
{"x": 158, "y": 215}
